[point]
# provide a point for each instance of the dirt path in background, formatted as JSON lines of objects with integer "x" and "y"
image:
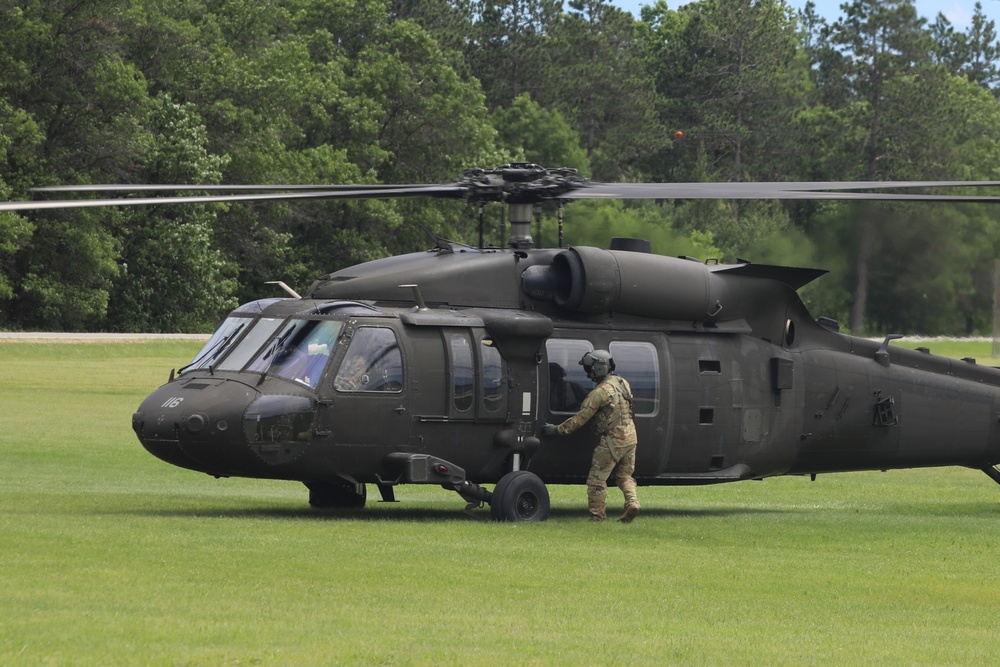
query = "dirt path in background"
{"x": 57, "y": 337}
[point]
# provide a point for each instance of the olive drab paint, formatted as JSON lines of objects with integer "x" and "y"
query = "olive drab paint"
{"x": 733, "y": 380}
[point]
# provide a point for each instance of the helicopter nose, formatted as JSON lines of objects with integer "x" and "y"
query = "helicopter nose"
{"x": 198, "y": 424}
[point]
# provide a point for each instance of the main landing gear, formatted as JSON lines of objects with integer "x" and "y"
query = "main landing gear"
{"x": 518, "y": 496}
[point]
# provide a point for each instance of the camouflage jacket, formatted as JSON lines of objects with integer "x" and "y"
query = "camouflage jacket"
{"x": 609, "y": 404}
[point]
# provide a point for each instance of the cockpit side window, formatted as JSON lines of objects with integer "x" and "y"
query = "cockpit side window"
{"x": 300, "y": 352}
{"x": 373, "y": 362}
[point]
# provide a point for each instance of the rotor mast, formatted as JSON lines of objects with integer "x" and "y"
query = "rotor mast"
{"x": 520, "y": 225}
{"x": 520, "y": 185}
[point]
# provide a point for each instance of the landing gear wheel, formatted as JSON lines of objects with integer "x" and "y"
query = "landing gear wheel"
{"x": 520, "y": 496}
{"x": 336, "y": 495}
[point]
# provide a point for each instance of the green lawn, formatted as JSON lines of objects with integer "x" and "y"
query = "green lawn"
{"x": 982, "y": 351}
{"x": 111, "y": 557}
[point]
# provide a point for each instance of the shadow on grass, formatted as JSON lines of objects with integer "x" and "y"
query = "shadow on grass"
{"x": 377, "y": 512}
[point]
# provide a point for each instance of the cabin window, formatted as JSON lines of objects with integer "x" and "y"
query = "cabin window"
{"x": 300, "y": 352}
{"x": 251, "y": 342}
{"x": 492, "y": 376}
{"x": 373, "y": 362}
{"x": 636, "y": 362}
{"x": 568, "y": 383}
{"x": 709, "y": 366}
{"x": 462, "y": 370}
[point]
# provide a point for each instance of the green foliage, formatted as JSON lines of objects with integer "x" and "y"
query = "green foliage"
{"x": 729, "y": 76}
{"x": 820, "y": 246}
{"x": 910, "y": 118}
{"x": 17, "y": 134}
{"x": 62, "y": 294}
{"x": 173, "y": 276}
{"x": 596, "y": 222}
{"x": 376, "y": 91}
{"x": 603, "y": 88}
{"x": 542, "y": 136}
{"x": 935, "y": 271}
{"x": 510, "y": 48}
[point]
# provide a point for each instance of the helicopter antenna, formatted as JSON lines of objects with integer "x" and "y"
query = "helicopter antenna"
{"x": 417, "y": 296}
{"x": 282, "y": 285}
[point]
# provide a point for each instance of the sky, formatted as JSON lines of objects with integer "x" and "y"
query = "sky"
{"x": 959, "y": 12}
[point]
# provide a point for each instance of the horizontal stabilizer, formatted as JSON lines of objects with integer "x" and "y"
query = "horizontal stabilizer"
{"x": 794, "y": 277}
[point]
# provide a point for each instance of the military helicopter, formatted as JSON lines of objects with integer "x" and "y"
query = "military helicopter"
{"x": 441, "y": 367}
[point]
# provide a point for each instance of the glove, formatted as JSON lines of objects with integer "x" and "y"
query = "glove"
{"x": 550, "y": 430}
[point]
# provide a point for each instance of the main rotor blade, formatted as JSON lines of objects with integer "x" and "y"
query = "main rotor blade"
{"x": 391, "y": 192}
{"x": 225, "y": 188}
{"x": 494, "y": 187}
{"x": 776, "y": 190}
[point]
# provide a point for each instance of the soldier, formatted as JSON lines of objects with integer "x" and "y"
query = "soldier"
{"x": 352, "y": 375}
{"x": 609, "y": 404}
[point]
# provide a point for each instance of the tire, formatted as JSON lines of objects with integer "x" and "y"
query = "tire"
{"x": 520, "y": 496}
{"x": 337, "y": 495}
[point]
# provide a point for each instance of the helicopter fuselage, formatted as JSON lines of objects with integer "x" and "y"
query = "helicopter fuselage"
{"x": 441, "y": 368}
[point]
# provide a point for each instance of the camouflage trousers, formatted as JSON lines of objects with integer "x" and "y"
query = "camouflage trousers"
{"x": 610, "y": 457}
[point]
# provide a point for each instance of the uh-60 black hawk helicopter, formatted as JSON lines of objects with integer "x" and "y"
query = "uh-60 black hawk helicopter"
{"x": 441, "y": 367}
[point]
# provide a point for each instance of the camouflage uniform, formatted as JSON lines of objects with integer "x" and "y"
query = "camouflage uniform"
{"x": 609, "y": 404}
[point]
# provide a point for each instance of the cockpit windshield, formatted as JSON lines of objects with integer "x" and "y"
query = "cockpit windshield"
{"x": 227, "y": 334}
{"x": 300, "y": 351}
{"x": 250, "y": 343}
{"x": 220, "y": 341}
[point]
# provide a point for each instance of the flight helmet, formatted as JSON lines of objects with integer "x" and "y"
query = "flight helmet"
{"x": 599, "y": 362}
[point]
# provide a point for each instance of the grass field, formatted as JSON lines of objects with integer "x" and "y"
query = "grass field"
{"x": 111, "y": 557}
{"x": 981, "y": 350}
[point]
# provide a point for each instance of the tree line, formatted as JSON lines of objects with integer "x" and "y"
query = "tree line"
{"x": 413, "y": 91}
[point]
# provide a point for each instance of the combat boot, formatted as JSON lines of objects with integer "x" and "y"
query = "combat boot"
{"x": 596, "y": 500}
{"x": 631, "y": 512}
{"x": 596, "y": 508}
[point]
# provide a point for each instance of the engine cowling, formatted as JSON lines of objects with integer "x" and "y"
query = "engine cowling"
{"x": 592, "y": 280}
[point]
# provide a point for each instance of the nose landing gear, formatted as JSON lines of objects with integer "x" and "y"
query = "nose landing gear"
{"x": 336, "y": 495}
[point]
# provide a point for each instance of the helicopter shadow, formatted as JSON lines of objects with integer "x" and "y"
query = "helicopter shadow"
{"x": 376, "y": 514}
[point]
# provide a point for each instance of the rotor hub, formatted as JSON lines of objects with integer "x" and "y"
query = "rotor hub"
{"x": 519, "y": 183}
